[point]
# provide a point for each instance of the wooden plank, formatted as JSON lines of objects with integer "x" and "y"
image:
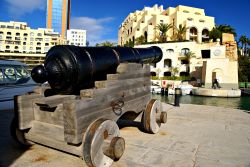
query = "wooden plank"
{"x": 49, "y": 115}
{"x": 25, "y": 110}
{"x": 82, "y": 122}
{"x": 51, "y": 131}
{"x": 128, "y": 67}
{"x": 73, "y": 149}
{"x": 105, "y": 100}
{"x": 122, "y": 83}
{"x": 69, "y": 117}
{"x": 53, "y": 101}
{"x": 118, "y": 86}
{"x": 139, "y": 74}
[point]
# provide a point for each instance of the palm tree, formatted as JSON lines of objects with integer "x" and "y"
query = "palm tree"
{"x": 187, "y": 57}
{"x": 140, "y": 40}
{"x": 224, "y": 28}
{"x": 180, "y": 33}
{"x": 244, "y": 41}
{"x": 106, "y": 43}
{"x": 216, "y": 32}
{"x": 163, "y": 28}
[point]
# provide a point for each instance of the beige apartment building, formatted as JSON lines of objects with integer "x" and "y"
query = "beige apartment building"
{"x": 143, "y": 23}
{"x": 20, "y": 42}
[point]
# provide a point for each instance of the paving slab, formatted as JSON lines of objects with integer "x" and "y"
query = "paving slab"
{"x": 194, "y": 136}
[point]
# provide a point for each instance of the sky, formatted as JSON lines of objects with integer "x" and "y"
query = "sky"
{"x": 102, "y": 18}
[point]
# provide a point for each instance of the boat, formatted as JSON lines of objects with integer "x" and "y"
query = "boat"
{"x": 15, "y": 80}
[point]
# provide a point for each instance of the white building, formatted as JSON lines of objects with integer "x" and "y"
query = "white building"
{"x": 22, "y": 43}
{"x": 76, "y": 37}
{"x": 143, "y": 23}
{"x": 209, "y": 61}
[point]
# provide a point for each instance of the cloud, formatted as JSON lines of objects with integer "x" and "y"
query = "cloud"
{"x": 18, "y": 8}
{"x": 96, "y": 28}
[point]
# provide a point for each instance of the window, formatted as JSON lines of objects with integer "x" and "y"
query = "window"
{"x": 32, "y": 34}
{"x": 197, "y": 13}
{"x": 17, "y": 34}
{"x": 166, "y": 74}
{"x": 185, "y": 11}
{"x": 170, "y": 51}
{"x": 7, "y": 47}
{"x": 31, "y": 39}
{"x": 25, "y": 34}
{"x": 8, "y": 33}
{"x": 153, "y": 73}
{"x": 39, "y": 34}
{"x": 190, "y": 19}
{"x": 167, "y": 62}
{"x": 205, "y": 54}
{"x": 184, "y": 51}
{"x": 202, "y": 21}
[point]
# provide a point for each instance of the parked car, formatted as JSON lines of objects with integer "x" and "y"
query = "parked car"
{"x": 14, "y": 80}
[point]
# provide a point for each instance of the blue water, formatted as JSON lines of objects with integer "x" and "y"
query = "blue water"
{"x": 242, "y": 103}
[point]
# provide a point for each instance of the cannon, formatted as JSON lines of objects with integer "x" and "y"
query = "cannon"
{"x": 91, "y": 90}
{"x": 68, "y": 69}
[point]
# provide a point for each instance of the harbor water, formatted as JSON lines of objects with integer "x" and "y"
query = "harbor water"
{"x": 242, "y": 102}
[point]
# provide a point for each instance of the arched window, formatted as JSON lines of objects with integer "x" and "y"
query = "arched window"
{"x": 167, "y": 62}
{"x": 184, "y": 51}
{"x": 8, "y": 33}
{"x": 193, "y": 31}
{"x": 170, "y": 51}
{"x": 17, "y": 34}
{"x": 146, "y": 36}
{"x": 205, "y": 35}
{"x": 193, "y": 34}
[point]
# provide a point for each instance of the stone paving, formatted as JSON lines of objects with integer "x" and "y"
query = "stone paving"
{"x": 194, "y": 136}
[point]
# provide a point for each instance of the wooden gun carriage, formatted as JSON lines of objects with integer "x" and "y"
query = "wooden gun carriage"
{"x": 86, "y": 124}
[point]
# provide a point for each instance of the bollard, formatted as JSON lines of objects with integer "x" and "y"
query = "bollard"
{"x": 177, "y": 97}
{"x": 162, "y": 91}
{"x": 166, "y": 91}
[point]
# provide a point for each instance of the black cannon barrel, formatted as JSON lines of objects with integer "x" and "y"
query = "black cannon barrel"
{"x": 68, "y": 69}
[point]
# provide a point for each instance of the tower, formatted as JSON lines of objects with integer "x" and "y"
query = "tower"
{"x": 58, "y": 15}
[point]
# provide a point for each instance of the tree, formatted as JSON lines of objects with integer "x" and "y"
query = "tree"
{"x": 163, "y": 28}
{"x": 224, "y": 28}
{"x": 180, "y": 33}
{"x": 187, "y": 57}
{"x": 244, "y": 42}
{"x": 106, "y": 43}
{"x": 140, "y": 40}
{"x": 216, "y": 32}
{"x": 244, "y": 66}
{"x": 87, "y": 43}
{"x": 174, "y": 71}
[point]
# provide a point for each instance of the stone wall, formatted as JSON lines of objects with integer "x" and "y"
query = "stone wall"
{"x": 231, "y": 46}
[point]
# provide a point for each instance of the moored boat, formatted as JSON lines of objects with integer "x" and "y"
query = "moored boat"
{"x": 15, "y": 79}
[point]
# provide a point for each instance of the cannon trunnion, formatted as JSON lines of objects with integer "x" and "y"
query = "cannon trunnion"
{"x": 85, "y": 124}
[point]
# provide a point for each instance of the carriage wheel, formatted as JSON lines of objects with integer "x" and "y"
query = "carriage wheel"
{"x": 102, "y": 143}
{"x": 153, "y": 116}
{"x": 17, "y": 134}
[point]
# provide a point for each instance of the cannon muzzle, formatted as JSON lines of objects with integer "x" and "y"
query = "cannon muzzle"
{"x": 68, "y": 69}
